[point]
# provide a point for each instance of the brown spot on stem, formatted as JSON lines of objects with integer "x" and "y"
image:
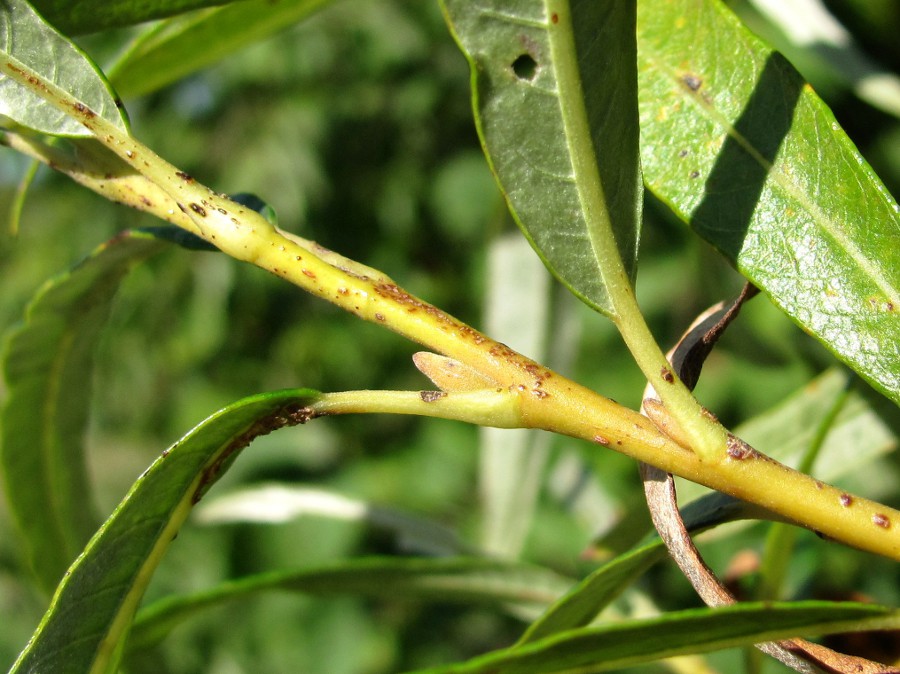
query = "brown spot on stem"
{"x": 199, "y": 210}
{"x": 379, "y": 317}
{"x": 554, "y": 18}
{"x": 186, "y": 177}
{"x": 307, "y": 272}
{"x": 738, "y": 449}
{"x": 667, "y": 375}
{"x": 846, "y": 500}
{"x": 84, "y": 110}
{"x": 431, "y": 396}
{"x": 882, "y": 521}
{"x": 600, "y": 440}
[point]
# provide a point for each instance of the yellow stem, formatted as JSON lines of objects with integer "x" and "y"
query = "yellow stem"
{"x": 530, "y": 395}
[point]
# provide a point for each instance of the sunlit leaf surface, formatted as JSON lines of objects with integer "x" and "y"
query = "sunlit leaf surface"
{"x": 738, "y": 146}
{"x": 32, "y": 47}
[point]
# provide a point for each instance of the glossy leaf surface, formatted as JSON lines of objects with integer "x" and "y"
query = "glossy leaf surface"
{"x": 740, "y": 147}
{"x": 92, "y": 610}
{"x": 34, "y": 48}
{"x": 631, "y": 643}
{"x": 185, "y": 44}
{"x": 48, "y": 363}
{"x": 555, "y": 105}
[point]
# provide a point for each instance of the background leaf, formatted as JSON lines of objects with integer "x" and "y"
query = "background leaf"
{"x": 85, "y": 626}
{"x": 48, "y": 365}
{"x": 571, "y": 188}
{"x": 736, "y": 145}
{"x": 175, "y": 48}
{"x": 630, "y": 643}
{"x": 33, "y": 46}
{"x": 88, "y": 16}
{"x": 458, "y": 580}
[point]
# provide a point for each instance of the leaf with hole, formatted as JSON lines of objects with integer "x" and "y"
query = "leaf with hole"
{"x": 555, "y": 101}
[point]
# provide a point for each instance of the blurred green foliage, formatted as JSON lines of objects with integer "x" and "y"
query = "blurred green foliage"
{"x": 356, "y": 126}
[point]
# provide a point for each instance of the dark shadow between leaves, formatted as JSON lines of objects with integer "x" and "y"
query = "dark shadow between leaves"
{"x": 735, "y": 184}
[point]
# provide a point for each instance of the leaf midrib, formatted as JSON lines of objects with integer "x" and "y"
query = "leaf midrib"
{"x": 580, "y": 146}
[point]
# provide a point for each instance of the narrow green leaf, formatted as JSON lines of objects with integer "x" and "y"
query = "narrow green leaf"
{"x": 457, "y": 580}
{"x": 184, "y": 44}
{"x": 90, "y": 16}
{"x": 583, "y": 603}
{"x": 88, "y": 619}
{"x": 741, "y": 148}
{"x": 35, "y": 49}
{"x": 554, "y": 92}
{"x": 47, "y": 364}
{"x": 634, "y": 642}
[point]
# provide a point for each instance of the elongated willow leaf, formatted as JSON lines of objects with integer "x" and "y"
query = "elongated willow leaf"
{"x": 738, "y": 146}
{"x": 635, "y": 642}
{"x": 458, "y": 580}
{"x": 47, "y": 364}
{"x": 32, "y": 47}
{"x": 88, "y": 619}
{"x": 555, "y": 100}
{"x": 184, "y": 44}
{"x": 89, "y": 16}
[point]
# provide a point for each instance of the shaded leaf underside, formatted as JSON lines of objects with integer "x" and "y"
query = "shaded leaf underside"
{"x": 574, "y": 187}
